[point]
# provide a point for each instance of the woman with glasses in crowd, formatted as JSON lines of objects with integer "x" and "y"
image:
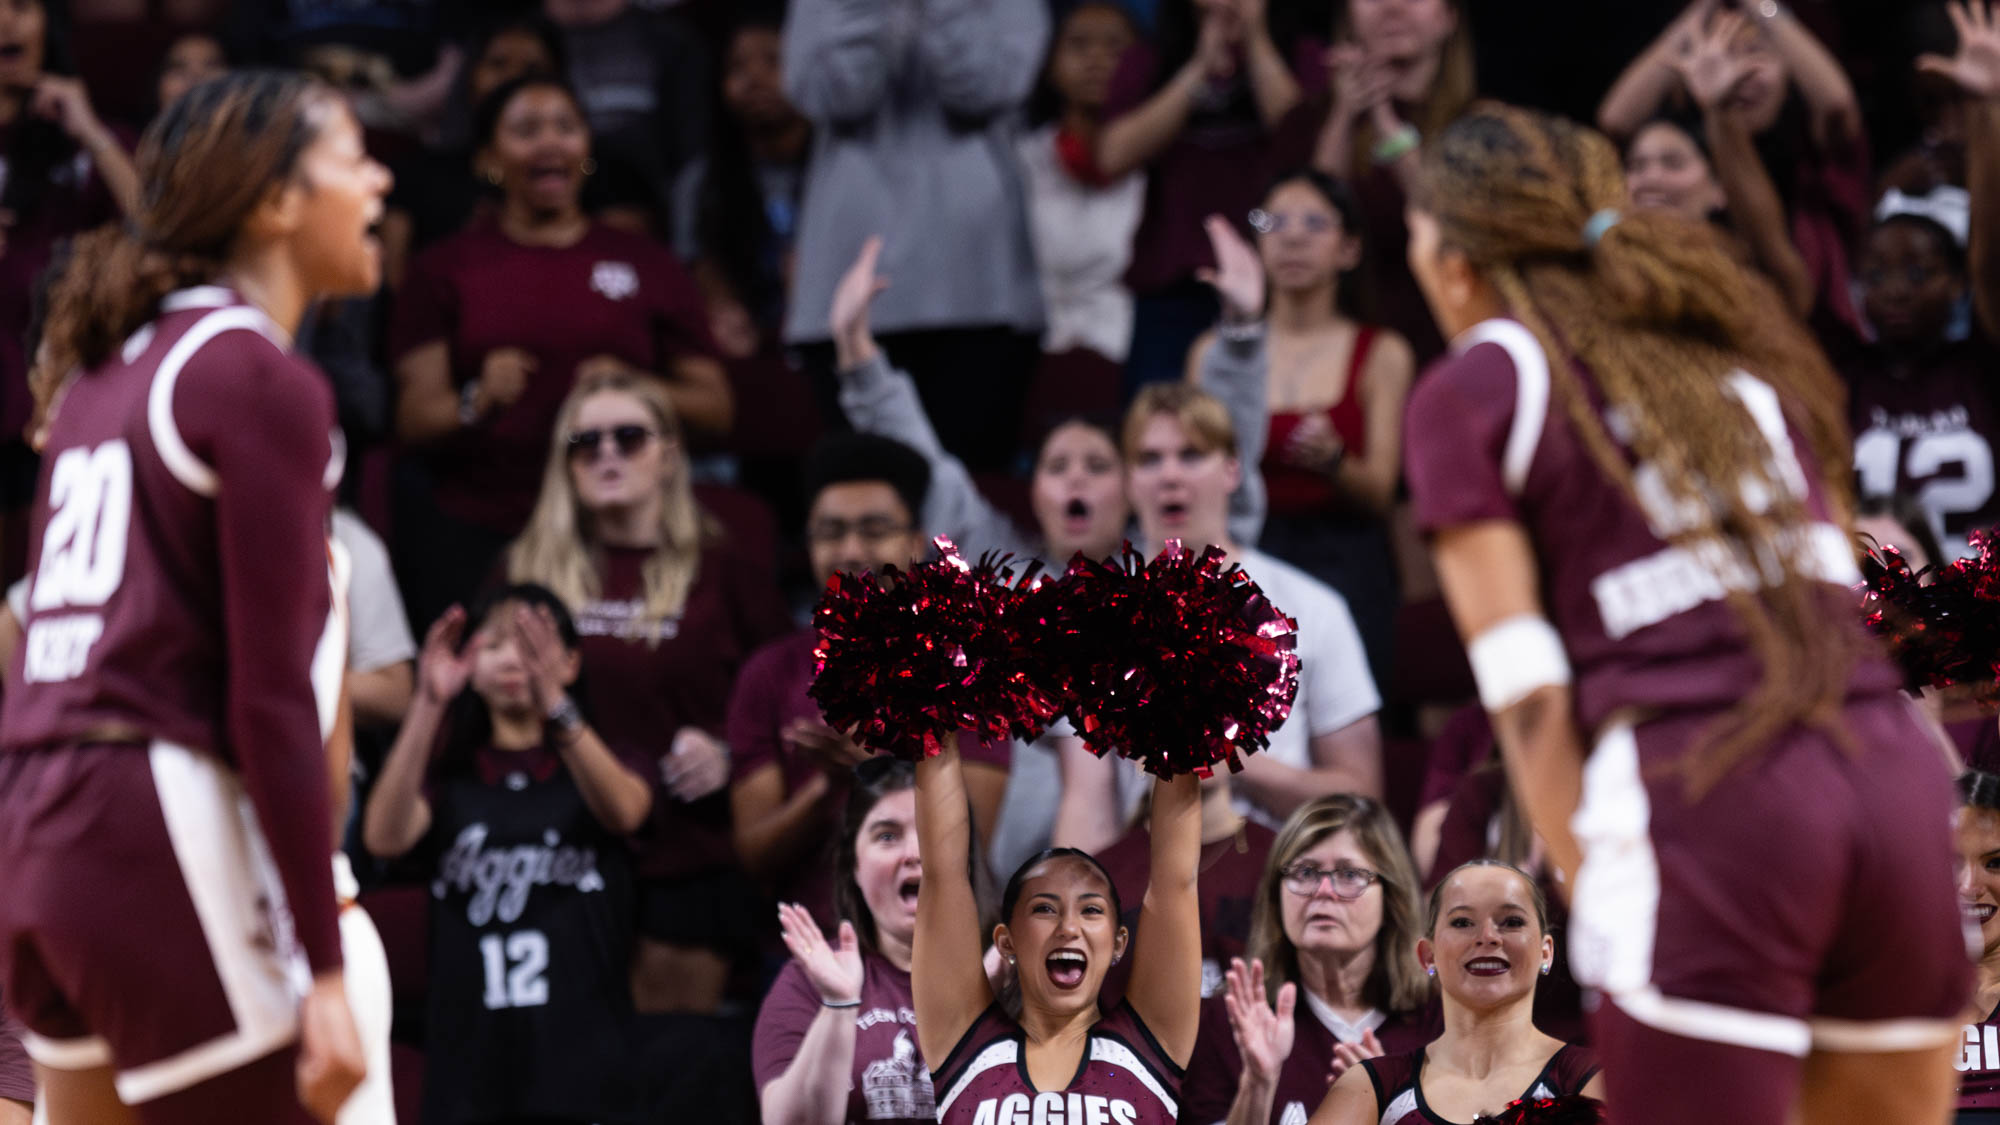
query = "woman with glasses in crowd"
{"x": 668, "y": 611}
{"x": 1331, "y": 976}
{"x": 1334, "y": 389}
{"x": 1486, "y": 944}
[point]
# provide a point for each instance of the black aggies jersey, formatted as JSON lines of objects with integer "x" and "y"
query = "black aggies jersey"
{"x": 531, "y": 947}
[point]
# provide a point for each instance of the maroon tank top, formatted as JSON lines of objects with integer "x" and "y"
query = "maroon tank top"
{"x": 1293, "y": 490}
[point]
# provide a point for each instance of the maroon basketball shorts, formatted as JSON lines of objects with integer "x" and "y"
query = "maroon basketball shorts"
{"x": 143, "y": 926}
{"x": 1804, "y": 903}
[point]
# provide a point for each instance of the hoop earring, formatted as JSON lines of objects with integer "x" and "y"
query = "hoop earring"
{"x": 589, "y": 166}
{"x": 493, "y": 176}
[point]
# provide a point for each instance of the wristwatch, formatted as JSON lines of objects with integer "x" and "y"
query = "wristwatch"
{"x": 564, "y": 716}
{"x": 468, "y": 404}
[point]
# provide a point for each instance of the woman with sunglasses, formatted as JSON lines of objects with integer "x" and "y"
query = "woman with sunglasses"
{"x": 1486, "y": 944}
{"x": 1334, "y": 389}
{"x": 836, "y": 1039}
{"x": 1331, "y": 976}
{"x": 495, "y": 325}
{"x": 668, "y": 613}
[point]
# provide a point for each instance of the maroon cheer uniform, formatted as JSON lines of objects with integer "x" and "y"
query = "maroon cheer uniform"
{"x": 888, "y": 1082}
{"x": 1978, "y": 1064}
{"x": 1722, "y": 922}
{"x": 163, "y": 794}
{"x": 1399, "y": 1086}
{"x": 1125, "y": 1078}
{"x": 1216, "y": 1066}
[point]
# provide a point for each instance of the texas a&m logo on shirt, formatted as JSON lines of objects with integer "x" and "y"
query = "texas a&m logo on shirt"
{"x": 615, "y": 280}
{"x": 1055, "y": 1109}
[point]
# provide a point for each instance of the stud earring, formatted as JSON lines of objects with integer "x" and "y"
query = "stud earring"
{"x": 1545, "y": 969}
{"x": 1431, "y": 971}
{"x": 1010, "y": 958}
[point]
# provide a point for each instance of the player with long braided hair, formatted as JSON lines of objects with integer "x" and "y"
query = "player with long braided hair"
{"x": 1630, "y": 467}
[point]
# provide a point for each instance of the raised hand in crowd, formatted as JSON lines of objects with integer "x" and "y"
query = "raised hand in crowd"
{"x": 853, "y": 339}
{"x": 1361, "y": 85}
{"x": 1976, "y": 66}
{"x": 1238, "y": 276}
{"x": 697, "y": 765}
{"x": 1708, "y": 62}
{"x": 550, "y": 669}
{"x": 835, "y": 752}
{"x": 442, "y": 668}
{"x": 835, "y": 970}
{"x": 1263, "y": 1034}
{"x": 1347, "y": 1055}
{"x": 66, "y": 102}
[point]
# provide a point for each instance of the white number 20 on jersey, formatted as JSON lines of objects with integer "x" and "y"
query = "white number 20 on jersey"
{"x": 90, "y": 517}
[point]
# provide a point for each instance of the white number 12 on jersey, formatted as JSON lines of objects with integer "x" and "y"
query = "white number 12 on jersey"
{"x": 515, "y": 970}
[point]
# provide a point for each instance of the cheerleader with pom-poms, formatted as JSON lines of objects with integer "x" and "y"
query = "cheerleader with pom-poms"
{"x": 952, "y": 645}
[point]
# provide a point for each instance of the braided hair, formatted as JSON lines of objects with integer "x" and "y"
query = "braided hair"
{"x": 1661, "y": 316}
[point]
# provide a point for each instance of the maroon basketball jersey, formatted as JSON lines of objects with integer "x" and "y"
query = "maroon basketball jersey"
{"x": 1125, "y": 1079}
{"x": 1645, "y": 623}
{"x": 177, "y": 566}
{"x": 1929, "y": 432}
{"x": 1399, "y": 1088}
{"x": 1978, "y": 1064}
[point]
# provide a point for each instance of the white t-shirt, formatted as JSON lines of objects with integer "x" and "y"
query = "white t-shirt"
{"x": 378, "y": 631}
{"x": 1335, "y": 686}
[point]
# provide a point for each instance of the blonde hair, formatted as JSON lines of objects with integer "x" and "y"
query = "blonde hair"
{"x": 1201, "y": 414}
{"x": 1397, "y": 983}
{"x": 558, "y": 548}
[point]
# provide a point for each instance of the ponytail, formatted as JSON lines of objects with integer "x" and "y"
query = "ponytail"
{"x": 110, "y": 286}
{"x": 1660, "y": 315}
{"x": 204, "y": 166}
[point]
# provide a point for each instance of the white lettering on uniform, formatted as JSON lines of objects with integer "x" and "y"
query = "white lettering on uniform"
{"x": 58, "y": 648}
{"x": 1055, "y": 1109}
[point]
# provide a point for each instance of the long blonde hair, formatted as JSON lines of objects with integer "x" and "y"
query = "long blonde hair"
{"x": 1397, "y": 983}
{"x": 558, "y": 548}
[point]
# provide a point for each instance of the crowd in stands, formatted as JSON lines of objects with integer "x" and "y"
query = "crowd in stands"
{"x": 692, "y": 305}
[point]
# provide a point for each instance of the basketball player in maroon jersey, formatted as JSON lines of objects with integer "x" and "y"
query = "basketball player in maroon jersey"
{"x": 169, "y": 932}
{"x": 1065, "y": 1059}
{"x": 1631, "y": 468}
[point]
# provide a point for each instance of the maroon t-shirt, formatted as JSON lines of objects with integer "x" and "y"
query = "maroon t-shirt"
{"x": 1218, "y": 164}
{"x": 1399, "y": 1088}
{"x": 888, "y": 1082}
{"x": 177, "y": 560}
{"x": 612, "y": 293}
{"x": 1978, "y": 1064}
{"x": 1124, "y": 1077}
{"x": 1928, "y": 430}
{"x": 1227, "y": 887}
{"x": 1645, "y": 624}
{"x": 643, "y": 683}
{"x": 770, "y": 695}
{"x": 1216, "y": 1067}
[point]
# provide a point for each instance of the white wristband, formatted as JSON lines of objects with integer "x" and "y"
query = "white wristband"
{"x": 1515, "y": 658}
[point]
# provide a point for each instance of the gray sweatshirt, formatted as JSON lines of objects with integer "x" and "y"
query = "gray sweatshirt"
{"x": 878, "y": 399}
{"x": 916, "y": 103}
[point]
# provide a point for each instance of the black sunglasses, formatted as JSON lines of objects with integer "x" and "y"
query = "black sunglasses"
{"x": 628, "y": 439}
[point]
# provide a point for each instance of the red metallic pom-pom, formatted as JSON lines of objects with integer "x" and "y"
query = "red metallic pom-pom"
{"x": 908, "y": 661}
{"x": 1178, "y": 664}
{"x": 1941, "y": 624}
{"x": 1570, "y": 1109}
